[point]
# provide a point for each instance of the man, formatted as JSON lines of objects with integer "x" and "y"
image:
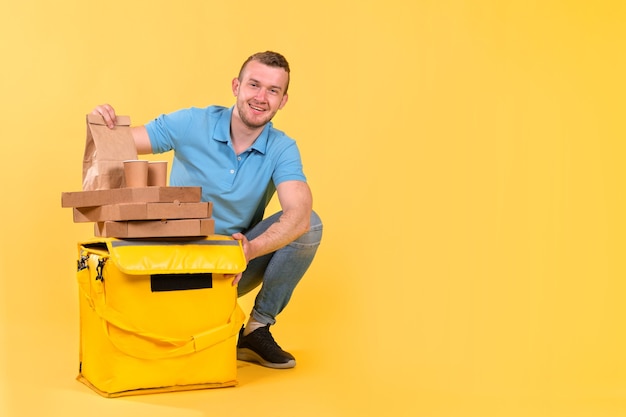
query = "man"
{"x": 239, "y": 159}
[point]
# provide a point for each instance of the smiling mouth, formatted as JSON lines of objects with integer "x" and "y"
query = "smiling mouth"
{"x": 256, "y": 108}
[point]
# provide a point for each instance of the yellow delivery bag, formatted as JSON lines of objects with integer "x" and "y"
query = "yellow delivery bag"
{"x": 158, "y": 315}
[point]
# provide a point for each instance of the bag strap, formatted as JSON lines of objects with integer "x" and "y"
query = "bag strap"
{"x": 156, "y": 346}
{"x": 162, "y": 347}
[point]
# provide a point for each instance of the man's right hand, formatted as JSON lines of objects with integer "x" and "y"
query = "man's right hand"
{"x": 108, "y": 114}
{"x": 140, "y": 134}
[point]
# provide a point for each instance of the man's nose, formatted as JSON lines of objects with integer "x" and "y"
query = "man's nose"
{"x": 261, "y": 94}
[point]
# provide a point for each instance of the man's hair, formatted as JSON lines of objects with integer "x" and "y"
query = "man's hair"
{"x": 271, "y": 59}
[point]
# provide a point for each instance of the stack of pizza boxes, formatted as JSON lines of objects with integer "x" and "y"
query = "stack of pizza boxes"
{"x": 120, "y": 211}
{"x": 143, "y": 212}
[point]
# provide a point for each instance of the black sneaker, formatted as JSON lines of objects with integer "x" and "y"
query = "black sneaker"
{"x": 259, "y": 346}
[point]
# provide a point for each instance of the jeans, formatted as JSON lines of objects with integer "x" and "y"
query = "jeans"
{"x": 279, "y": 272}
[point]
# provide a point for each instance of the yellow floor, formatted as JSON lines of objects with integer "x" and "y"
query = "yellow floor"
{"x": 334, "y": 377}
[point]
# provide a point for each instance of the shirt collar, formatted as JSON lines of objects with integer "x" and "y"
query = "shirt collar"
{"x": 222, "y": 132}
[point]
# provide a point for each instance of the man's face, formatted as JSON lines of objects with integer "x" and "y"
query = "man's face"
{"x": 260, "y": 93}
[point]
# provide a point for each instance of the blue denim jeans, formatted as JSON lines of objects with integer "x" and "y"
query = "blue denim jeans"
{"x": 279, "y": 272}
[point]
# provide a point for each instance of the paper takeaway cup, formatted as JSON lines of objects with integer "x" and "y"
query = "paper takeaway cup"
{"x": 136, "y": 173}
{"x": 157, "y": 173}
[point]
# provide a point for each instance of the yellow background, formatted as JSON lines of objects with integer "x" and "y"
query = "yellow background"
{"x": 467, "y": 158}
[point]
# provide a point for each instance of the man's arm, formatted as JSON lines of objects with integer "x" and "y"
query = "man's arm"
{"x": 296, "y": 202}
{"x": 140, "y": 134}
{"x": 142, "y": 140}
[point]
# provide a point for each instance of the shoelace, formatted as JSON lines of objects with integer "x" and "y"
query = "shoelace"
{"x": 266, "y": 339}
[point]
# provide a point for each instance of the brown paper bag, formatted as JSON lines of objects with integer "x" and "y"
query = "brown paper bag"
{"x": 105, "y": 151}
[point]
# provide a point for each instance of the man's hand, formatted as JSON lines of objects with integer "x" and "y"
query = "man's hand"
{"x": 236, "y": 277}
{"x": 140, "y": 134}
{"x": 245, "y": 244}
{"x": 108, "y": 114}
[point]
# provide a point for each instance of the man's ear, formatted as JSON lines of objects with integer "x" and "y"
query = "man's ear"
{"x": 283, "y": 101}
{"x": 235, "y": 86}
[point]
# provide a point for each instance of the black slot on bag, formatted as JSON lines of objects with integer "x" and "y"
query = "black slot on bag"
{"x": 180, "y": 282}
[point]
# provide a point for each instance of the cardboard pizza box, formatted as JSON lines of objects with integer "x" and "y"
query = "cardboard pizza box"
{"x": 131, "y": 195}
{"x": 155, "y": 228}
{"x": 143, "y": 211}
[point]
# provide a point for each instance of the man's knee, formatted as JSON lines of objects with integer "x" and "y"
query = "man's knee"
{"x": 314, "y": 234}
{"x": 316, "y": 221}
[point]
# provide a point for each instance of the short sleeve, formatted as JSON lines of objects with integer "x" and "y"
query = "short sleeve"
{"x": 289, "y": 165}
{"x": 166, "y": 129}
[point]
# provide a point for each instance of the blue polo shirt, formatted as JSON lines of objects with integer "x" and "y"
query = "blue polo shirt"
{"x": 239, "y": 186}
